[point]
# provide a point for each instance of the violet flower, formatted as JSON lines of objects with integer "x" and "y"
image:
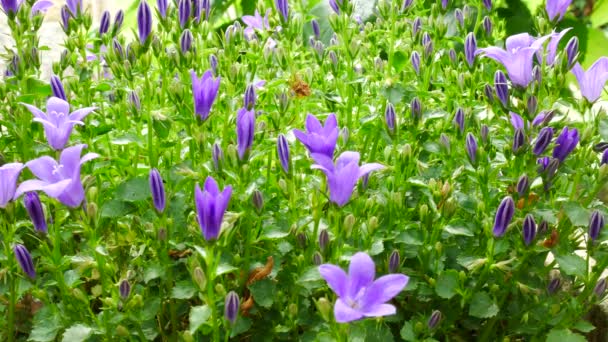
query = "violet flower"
{"x": 359, "y": 295}
{"x": 593, "y": 80}
{"x": 183, "y": 12}
{"x": 24, "y": 258}
{"x": 502, "y": 87}
{"x": 231, "y": 307}
{"x": 104, "y": 23}
{"x": 517, "y": 57}
{"x": 516, "y": 121}
{"x": 604, "y": 157}
{"x": 335, "y": 5}
{"x": 319, "y": 139}
{"x": 557, "y": 7}
{"x": 211, "y": 204}
{"x": 572, "y": 50}
{"x": 11, "y": 7}
{"x": 204, "y": 91}
{"x": 58, "y": 180}
{"x": 529, "y": 229}
{"x": 58, "y": 121}
{"x": 245, "y": 130}
{"x": 596, "y": 223}
{"x": 255, "y": 22}
{"x": 8, "y": 181}
{"x": 144, "y": 21}
{"x": 553, "y": 45}
{"x": 565, "y": 143}
{"x": 75, "y": 6}
{"x": 471, "y": 147}
{"x": 343, "y": 176}
{"x": 543, "y": 140}
{"x": 470, "y": 48}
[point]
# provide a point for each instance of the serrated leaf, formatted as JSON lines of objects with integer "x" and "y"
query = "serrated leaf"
{"x": 263, "y": 292}
{"x": 446, "y": 284}
{"x": 133, "y": 190}
{"x": 564, "y": 335}
{"x": 571, "y": 264}
{"x": 152, "y": 272}
{"x": 407, "y": 332}
{"x": 77, "y": 333}
{"x": 482, "y": 306}
{"x": 198, "y": 316}
{"x": 115, "y": 208}
{"x": 400, "y": 60}
{"x": 458, "y": 228}
{"x": 576, "y": 213}
{"x": 377, "y": 248}
{"x": 183, "y": 290}
{"x": 46, "y": 325}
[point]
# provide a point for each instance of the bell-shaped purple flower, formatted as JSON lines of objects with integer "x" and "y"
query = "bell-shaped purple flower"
{"x": 58, "y": 121}
{"x": 518, "y": 56}
{"x": 557, "y": 8}
{"x": 8, "y": 182}
{"x": 487, "y": 4}
{"x": 565, "y": 143}
{"x": 283, "y": 8}
{"x": 543, "y": 140}
{"x": 504, "y": 214}
{"x": 144, "y": 21}
{"x": 335, "y": 5}
{"x": 318, "y": 138}
{"x": 529, "y": 229}
{"x": 75, "y": 7}
{"x": 162, "y": 8}
{"x": 157, "y": 188}
{"x": 471, "y": 147}
{"x": 596, "y": 223}
{"x": 359, "y": 295}
{"x": 593, "y": 80}
{"x": 470, "y": 48}
{"x": 34, "y": 209}
{"x": 231, "y": 307}
{"x": 501, "y": 87}
{"x": 104, "y": 24}
{"x": 553, "y": 45}
{"x": 283, "y": 152}
{"x": 204, "y": 91}
{"x": 245, "y": 130}
{"x": 255, "y": 22}
{"x": 343, "y": 176}
{"x": 11, "y": 6}
{"x": 58, "y": 180}
{"x": 24, "y": 258}
{"x": 211, "y": 204}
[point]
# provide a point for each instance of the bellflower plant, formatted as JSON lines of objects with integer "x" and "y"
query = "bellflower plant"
{"x": 593, "y": 80}
{"x": 211, "y": 205}
{"x": 204, "y": 91}
{"x": 255, "y": 22}
{"x": 320, "y": 139}
{"x": 565, "y": 143}
{"x": 359, "y": 295}
{"x": 557, "y": 8}
{"x": 24, "y": 258}
{"x": 8, "y": 182}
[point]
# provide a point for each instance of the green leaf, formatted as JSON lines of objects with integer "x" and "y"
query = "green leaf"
{"x": 571, "y": 264}
{"x": 115, "y": 208}
{"x": 242, "y": 325}
{"x": 198, "y": 316}
{"x": 576, "y": 213}
{"x": 46, "y": 323}
{"x": 152, "y": 272}
{"x": 224, "y": 268}
{"x": 263, "y": 292}
{"x": 583, "y": 326}
{"x": 604, "y": 125}
{"x": 127, "y": 138}
{"x": 446, "y": 284}
{"x": 399, "y": 60}
{"x": 458, "y": 227}
{"x": 377, "y": 248}
{"x": 136, "y": 189}
{"x": 599, "y": 17}
{"x": 183, "y": 290}
{"x": 77, "y": 333}
{"x": 482, "y": 306}
{"x": 564, "y": 335}
{"x": 151, "y": 308}
{"x": 248, "y": 6}
{"x": 407, "y": 332}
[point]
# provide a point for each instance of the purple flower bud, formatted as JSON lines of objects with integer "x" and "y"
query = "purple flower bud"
{"x": 485, "y": 131}
{"x": 529, "y": 229}
{"x": 125, "y": 289}
{"x": 183, "y": 10}
{"x": 543, "y": 140}
{"x": 35, "y": 211}
{"x": 487, "y": 4}
{"x": 10, "y": 6}
{"x": 206, "y": 6}
{"x": 118, "y": 51}
{"x": 316, "y": 29}
{"x": 406, "y": 4}
{"x": 427, "y": 43}
{"x": 416, "y": 109}
{"x": 57, "y": 88}
{"x": 604, "y": 157}
{"x": 335, "y": 5}
{"x": 158, "y": 190}
{"x": 596, "y": 223}
{"x": 445, "y": 141}
{"x": 572, "y": 51}
{"x": 134, "y": 100}
{"x": 185, "y": 41}
{"x": 600, "y": 288}
{"x": 104, "y": 24}
{"x": 532, "y": 104}
{"x": 519, "y": 140}
{"x": 489, "y": 92}
{"x": 249, "y": 98}
{"x": 231, "y": 307}
{"x": 245, "y": 130}
{"x": 217, "y": 155}
{"x": 416, "y": 25}
{"x": 444, "y": 4}
{"x": 162, "y": 8}
{"x": 389, "y": 116}
{"x": 537, "y": 74}
{"x": 416, "y": 62}
{"x": 333, "y": 58}
{"x": 471, "y": 147}
{"x": 543, "y": 227}
{"x": 65, "y": 19}
{"x": 119, "y": 18}
{"x": 453, "y": 57}
{"x": 323, "y": 239}
{"x": 302, "y": 239}
{"x": 554, "y": 285}
{"x": 487, "y": 26}
{"x": 319, "y": 48}
{"x": 459, "y": 119}
{"x": 435, "y": 319}
{"x": 283, "y": 152}
{"x": 459, "y": 17}
{"x": 504, "y": 214}
{"x": 283, "y": 8}
{"x": 25, "y": 260}
{"x": 344, "y": 135}
{"x": 317, "y": 259}
{"x": 257, "y": 199}
{"x": 501, "y": 87}
{"x": 394, "y": 261}
{"x": 600, "y": 147}
{"x": 565, "y": 143}
{"x": 144, "y": 21}
{"x": 523, "y": 184}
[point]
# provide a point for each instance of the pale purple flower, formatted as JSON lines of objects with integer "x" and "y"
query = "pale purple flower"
{"x": 319, "y": 139}
{"x": 211, "y": 205}
{"x": 255, "y": 22}
{"x": 41, "y": 6}
{"x": 204, "y": 91}
{"x": 565, "y": 143}
{"x": 344, "y": 175}
{"x": 593, "y": 80}
{"x": 13, "y": 6}
{"x": 557, "y": 7}
{"x": 75, "y": 6}
{"x": 359, "y": 295}
{"x": 8, "y": 181}
{"x": 58, "y": 180}
{"x": 58, "y": 121}
{"x": 516, "y": 121}
{"x": 553, "y": 44}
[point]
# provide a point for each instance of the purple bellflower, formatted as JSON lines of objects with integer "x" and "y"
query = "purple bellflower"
{"x": 572, "y": 50}
{"x": 255, "y": 22}
{"x": 8, "y": 181}
{"x": 471, "y": 147}
{"x": 529, "y": 229}
{"x": 343, "y": 176}
{"x": 504, "y": 214}
{"x": 593, "y": 80}
{"x": 359, "y": 295}
{"x": 516, "y": 121}
{"x": 204, "y": 91}
{"x": 183, "y": 12}
{"x": 104, "y": 23}
{"x": 318, "y": 138}
{"x": 335, "y": 5}
{"x": 245, "y": 130}
{"x": 518, "y": 56}
{"x": 24, "y": 258}
{"x": 144, "y": 21}
{"x": 58, "y": 180}
{"x": 231, "y": 307}
{"x": 557, "y": 8}
{"x": 75, "y": 7}
{"x": 58, "y": 121}
{"x": 41, "y": 6}
{"x": 283, "y": 8}
{"x": 502, "y": 87}
{"x": 211, "y": 205}
{"x": 565, "y": 143}
{"x": 604, "y": 157}
{"x": 553, "y": 45}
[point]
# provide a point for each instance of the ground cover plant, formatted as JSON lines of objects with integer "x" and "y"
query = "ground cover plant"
{"x": 302, "y": 173}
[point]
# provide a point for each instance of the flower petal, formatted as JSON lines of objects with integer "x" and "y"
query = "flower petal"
{"x": 367, "y": 168}
{"x": 44, "y": 168}
{"x": 361, "y": 272}
{"x": 335, "y": 277}
{"x": 80, "y": 114}
{"x": 383, "y": 289}
{"x": 344, "y": 313}
{"x": 211, "y": 186}
{"x": 313, "y": 125}
{"x": 51, "y": 189}
{"x": 380, "y": 310}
